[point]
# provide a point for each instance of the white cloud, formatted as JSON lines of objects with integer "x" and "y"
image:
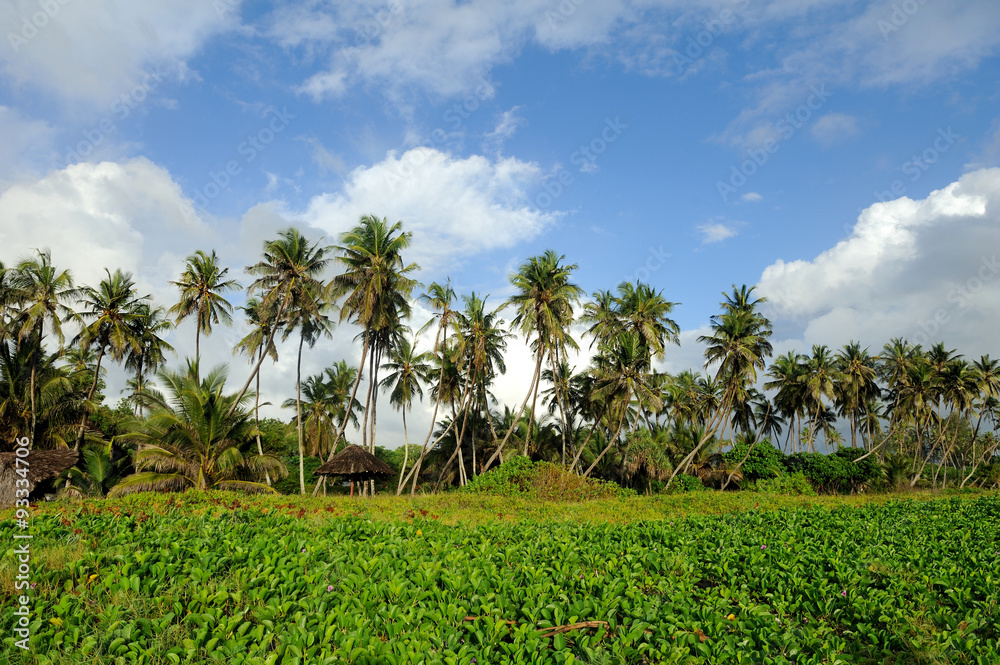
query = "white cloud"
{"x": 752, "y": 197}
{"x": 834, "y": 127}
{"x": 96, "y": 51}
{"x": 506, "y": 127}
{"x": 925, "y": 270}
{"x": 716, "y": 231}
{"x": 455, "y": 207}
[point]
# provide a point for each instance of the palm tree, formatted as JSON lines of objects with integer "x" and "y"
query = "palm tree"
{"x": 290, "y": 267}
{"x": 788, "y": 379}
{"x": 41, "y": 291}
{"x": 198, "y": 439}
{"x": 439, "y": 297}
{"x": 113, "y": 310}
{"x": 202, "y": 284}
{"x": 308, "y": 314}
{"x": 621, "y": 371}
{"x": 149, "y": 356}
{"x": 257, "y": 343}
{"x": 408, "y": 371}
{"x": 544, "y": 311}
{"x": 739, "y": 345}
{"x": 376, "y": 288}
{"x": 821, "y": 379}
{"x": 856, "y": 385}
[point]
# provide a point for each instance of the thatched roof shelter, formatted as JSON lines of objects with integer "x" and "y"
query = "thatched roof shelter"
{"x": 355, "y": 464}
{"x": 43, "y": 467}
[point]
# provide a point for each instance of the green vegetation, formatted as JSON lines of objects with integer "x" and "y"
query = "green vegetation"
{"x": 198, "y": 577}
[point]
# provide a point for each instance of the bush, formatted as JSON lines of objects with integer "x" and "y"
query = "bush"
{"x": 290, "y": 483}
{"x": 792, "y": 484}
{"x": 686, "y": 483}
{"x": 519, "y": 476}
{"x": 765, "y": 461}
{"x": 837, "y": 472}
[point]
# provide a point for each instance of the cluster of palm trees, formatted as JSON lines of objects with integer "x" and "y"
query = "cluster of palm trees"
{"x": 613, "y": 417}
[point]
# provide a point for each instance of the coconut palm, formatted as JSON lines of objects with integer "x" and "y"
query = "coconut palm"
{"x": 42, "y": 292}
{"x": 787, "y": 374}
{"x": 856, "y": 383}
{"x": 739, "y": 345}
{"x": 150, "y": 322}
{"x": 409, "y": 370}
{"x": 257, "y": 343}
{"x": 376, "y": 287}
{"x": 821, "y": 379}
{"x": 198, "y": 438}
{"x": 307, "y": 313}
{"x": 439, "y": 297}
{"x": 202, "y": 284}
{"x": 543, "y": 306}
{"x": 291, "y": 266}
{"x": 111, "y": 314}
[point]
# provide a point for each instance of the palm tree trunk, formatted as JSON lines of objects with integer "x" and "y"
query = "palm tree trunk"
{"x": 513, "y": 425}
{"x": 406, "y": 455}
{"x": 534, "y": 401}
{"x": 611, "y": 441}
{"x": 415, "y": 471}
{"x": 197, "y": 343}
{"x": 90, "y": 396}
{"x": 256, "y": 422}
{"x": 710, "y": 428}
{"x": 298, "y": 412}
{"x": 347, "y": 411}
{"x": 260, "y": 361}
{"x": 583, "y": 447}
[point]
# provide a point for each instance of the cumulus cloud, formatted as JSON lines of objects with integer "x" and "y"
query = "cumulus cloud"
{"x": 93, "y": 52}
{"x": 925, "y": 270}
{"x": 455, "y": 207}
{"x": 752, "y": 197}
{"x": 716, "y": 231}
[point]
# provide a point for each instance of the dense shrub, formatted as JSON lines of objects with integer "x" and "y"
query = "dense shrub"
{"x": 765, "y": 461}
{"x": 792, "y": 484}
{"x": 837, "y": 472}
{"x": 686, "y": 483}
{"x": 519, "y": 476}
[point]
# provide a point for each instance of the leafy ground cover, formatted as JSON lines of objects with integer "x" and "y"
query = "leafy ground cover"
{"x": 460, "y": 578}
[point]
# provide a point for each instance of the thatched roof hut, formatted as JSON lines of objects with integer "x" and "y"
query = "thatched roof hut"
{"x": 355, "y": 464}
{"x": 43, "y": 467}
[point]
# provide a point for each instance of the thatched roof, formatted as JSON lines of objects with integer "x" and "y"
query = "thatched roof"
{"x": 355, "y": 463}
{"x": 43, "y": 465}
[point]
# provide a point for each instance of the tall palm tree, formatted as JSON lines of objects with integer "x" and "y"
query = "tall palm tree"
{"x": 439, "y": 297}
{"x": 307, "y": 313}
{"x": 202, "y": 284}
{"x": 543, "y": 306}
{"x": 739, "y": 345}
{"x": 856, "y": 384}
{"x": 621, "y": 371}
{"x": 375, "y": 286}
{"x": 150, "y": 322}
{"x": 291, "y": 266}
{"x": 408, "y": 372}
{"x": 196, "y": 439}
{"x": 257, "y": 343}
{"x": 821, "y": 379}
{"x": 111, "y": 314}
{"x": 787, "y": 374}
{"x": 42, "y": 292}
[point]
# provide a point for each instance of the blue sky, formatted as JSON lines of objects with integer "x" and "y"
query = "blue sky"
{"x": 841, "y": 154}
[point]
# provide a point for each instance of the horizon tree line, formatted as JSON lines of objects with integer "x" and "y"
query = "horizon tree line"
{"x": 930, "y": 406}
